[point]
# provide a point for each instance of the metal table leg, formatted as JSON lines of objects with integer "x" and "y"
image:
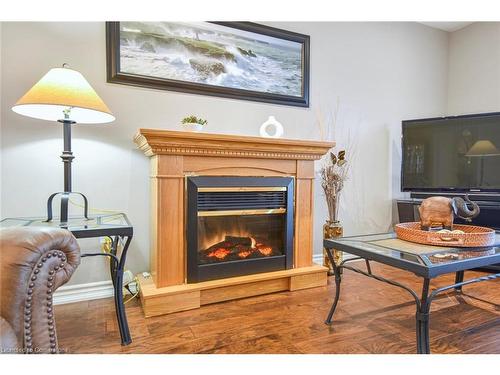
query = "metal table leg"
{"x": 459, "y": 277}
{"x": 117, "y": 267}
{"x": 421, "y": 326}
{"x": 338, "y": 279}
{"x": 118, "y": 286}
{"x": 426, "y": 305}
{"x": 113, "y": 266}
{"x": 422, "y": 320}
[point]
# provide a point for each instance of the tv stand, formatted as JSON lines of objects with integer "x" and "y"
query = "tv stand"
{"x": 488, "y": 217}
{"x": 473, "y": 196}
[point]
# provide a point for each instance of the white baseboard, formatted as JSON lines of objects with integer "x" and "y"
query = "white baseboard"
{"x": 318, "y": 258}
{"x": 104, "y": 289}
{"x": 83, "y": 292}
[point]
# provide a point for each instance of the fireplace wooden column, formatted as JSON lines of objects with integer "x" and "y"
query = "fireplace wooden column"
{"x": 175, "y": 155}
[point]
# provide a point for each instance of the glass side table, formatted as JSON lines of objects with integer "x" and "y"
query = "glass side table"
{"x": 117, "y": 228}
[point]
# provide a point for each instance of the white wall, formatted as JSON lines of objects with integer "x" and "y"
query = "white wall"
{"x": 379, "y": 73}
{"x": 1, "y": 117}
{"x": 474, "y": 69}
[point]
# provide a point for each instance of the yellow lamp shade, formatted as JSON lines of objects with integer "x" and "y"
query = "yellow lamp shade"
{"x": 483, "y": 147}
{"x": 59, "y": 90}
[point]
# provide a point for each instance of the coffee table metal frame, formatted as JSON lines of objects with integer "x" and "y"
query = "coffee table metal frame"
{"x": 423, "y": 303}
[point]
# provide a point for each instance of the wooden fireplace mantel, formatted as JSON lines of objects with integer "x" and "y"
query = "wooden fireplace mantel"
{"x": 175, "y": 155}
{"x": 167, "y": 142}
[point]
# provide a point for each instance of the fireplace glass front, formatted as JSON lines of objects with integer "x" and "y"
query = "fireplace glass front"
{"x": 239, "y": 237}
{"x": 238, "y": 226}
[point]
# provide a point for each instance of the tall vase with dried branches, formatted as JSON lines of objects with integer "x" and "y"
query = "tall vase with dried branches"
{"x": 334, "y": 173}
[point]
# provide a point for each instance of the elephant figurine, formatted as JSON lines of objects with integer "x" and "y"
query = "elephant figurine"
{"x": 442, "y": 210}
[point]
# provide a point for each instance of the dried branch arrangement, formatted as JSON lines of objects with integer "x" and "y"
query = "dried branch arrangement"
{"x": 335, "y": 169}
{"x": 334, "y": 173}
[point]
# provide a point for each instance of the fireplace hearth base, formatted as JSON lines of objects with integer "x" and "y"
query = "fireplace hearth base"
{"x": 159, "y": 301}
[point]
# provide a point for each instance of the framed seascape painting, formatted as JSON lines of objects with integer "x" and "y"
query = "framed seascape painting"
{"x": 240, "y": 60}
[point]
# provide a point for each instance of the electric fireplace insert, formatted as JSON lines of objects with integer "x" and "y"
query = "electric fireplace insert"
{"x": 238, "y": 226}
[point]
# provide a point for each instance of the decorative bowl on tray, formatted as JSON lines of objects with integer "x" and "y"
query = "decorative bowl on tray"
{"x": 445, "y": 257}
{"x": 461, "y": 236}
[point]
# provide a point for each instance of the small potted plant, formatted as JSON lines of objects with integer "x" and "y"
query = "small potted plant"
{"x": 193, "y": 123}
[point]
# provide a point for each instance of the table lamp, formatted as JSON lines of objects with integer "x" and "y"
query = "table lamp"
{"x": 64, "y": 95}
{"x": 481, "y": 149}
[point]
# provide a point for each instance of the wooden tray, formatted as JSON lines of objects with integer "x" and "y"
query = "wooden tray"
{"x": 474, "y": 236}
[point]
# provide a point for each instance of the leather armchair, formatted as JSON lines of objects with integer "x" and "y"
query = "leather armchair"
{"x": 34, "y": 262}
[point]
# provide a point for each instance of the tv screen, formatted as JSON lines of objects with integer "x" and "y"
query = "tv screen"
{"x": 459, "y": 153}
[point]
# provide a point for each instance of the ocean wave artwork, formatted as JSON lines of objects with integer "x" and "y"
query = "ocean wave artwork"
{"x": 212, "y": 54}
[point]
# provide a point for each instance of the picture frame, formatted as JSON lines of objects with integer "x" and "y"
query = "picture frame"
{"x": 247, "y": 61}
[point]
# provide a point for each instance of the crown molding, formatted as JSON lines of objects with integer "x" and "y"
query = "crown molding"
{"x": 167, "y": 142}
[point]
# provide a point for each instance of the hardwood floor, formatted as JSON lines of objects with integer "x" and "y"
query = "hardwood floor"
{"x": 371, "y": 317}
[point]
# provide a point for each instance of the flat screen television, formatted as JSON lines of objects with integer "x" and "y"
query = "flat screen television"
{"x": 460, "y": 153}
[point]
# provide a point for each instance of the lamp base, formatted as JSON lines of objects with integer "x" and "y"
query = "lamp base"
{"x": 64, "y": 206}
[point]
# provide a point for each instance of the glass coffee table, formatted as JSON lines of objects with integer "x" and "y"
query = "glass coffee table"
{"x": 114, "y": 226}
{"x": 424, "y": 261}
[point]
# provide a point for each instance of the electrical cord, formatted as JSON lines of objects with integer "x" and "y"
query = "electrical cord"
{"x": 106, "y": 248}
{"x": 93, "y": 209}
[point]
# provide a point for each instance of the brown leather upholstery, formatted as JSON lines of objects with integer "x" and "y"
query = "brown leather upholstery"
{"x": 34, "y": 262}
{"x": 8, "y": 338}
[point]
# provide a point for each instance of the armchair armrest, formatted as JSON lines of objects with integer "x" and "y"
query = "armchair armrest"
{"x": 34, "y": 262}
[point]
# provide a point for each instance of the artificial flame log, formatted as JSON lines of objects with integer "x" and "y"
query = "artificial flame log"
{"x": 234, "y": 248}
{"x": 245, "y": 241}
{"x": 227, "y": 249}
{"x": 234, "y": 244}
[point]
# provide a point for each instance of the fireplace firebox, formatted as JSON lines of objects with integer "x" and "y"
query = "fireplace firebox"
{"x": 238, "y": 226}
